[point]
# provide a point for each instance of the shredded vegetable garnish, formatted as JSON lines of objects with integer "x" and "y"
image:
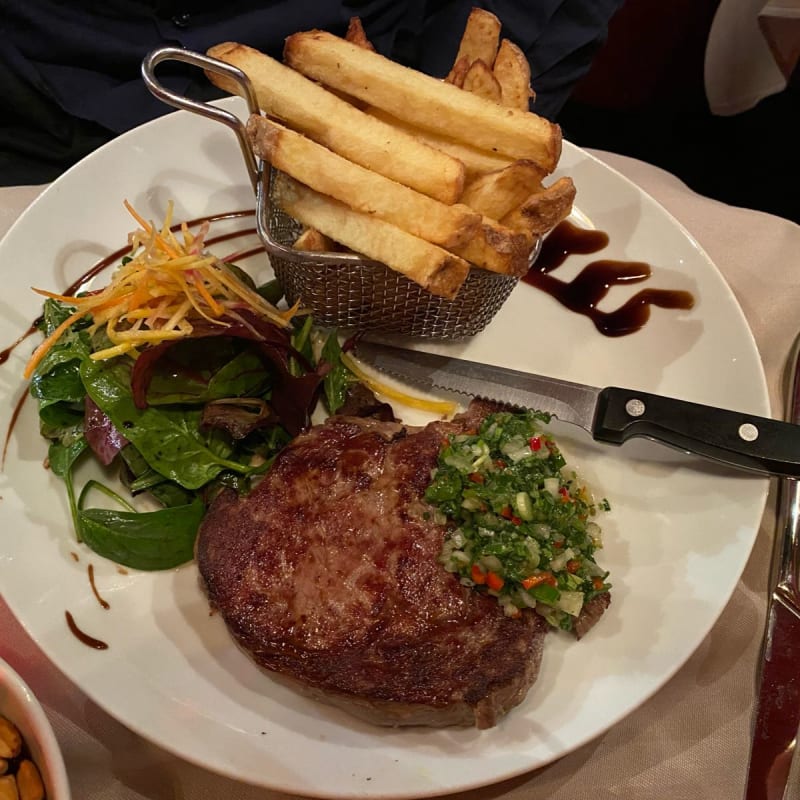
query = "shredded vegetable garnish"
{"x": 442, "y": 407}
{"x": 154, "y": 296}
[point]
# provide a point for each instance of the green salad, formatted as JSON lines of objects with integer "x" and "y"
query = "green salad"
{"x": 182, "y": 377}
{"x": 210, "y": 421}
{"x": 521, "y": 526}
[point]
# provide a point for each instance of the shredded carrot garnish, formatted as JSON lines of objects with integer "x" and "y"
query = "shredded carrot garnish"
{"x": 210, "y": 301}
{"x": 112, "y": 352}
{"x": 157, "y": 295}
{"x": 151, "y": 230}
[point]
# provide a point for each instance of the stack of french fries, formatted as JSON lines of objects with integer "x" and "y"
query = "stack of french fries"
{"x": 429, "y": 177}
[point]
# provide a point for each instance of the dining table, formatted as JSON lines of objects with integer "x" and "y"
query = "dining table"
{"x": 690, "y": 739}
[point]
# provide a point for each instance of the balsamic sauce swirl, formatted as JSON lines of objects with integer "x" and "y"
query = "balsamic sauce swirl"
{"x": 583, "y": 293}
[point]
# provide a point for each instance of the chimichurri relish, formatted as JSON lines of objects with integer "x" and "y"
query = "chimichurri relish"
{"x": 520, "y": 522}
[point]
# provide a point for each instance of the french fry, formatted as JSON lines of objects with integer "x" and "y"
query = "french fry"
{"x": 480, "y": 38}
{"x": 435, "y": 269}
{"x": 284, "y": 93}
{"x": 480, "y": 81}
{"x": 357, "y": 35}
{"x": 497, "y": 193}
{"x": 498, "y": 248}
{"x": 457, "y": 228}
{"x": 458, "y": 72}
{"x": 360, "y": 188}
{"x": 315, "y": 242}
{"x": 476, "y": 162}
{"x": 423, "y": 100}
{"x": 544, "y": 209}
{"x": 513, "y": 74}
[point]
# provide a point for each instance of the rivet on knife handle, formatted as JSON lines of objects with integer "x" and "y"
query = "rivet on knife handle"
{"x": 730, "y": 437}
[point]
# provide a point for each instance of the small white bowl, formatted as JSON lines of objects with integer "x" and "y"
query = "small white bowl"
{"x": 18, "y": 704}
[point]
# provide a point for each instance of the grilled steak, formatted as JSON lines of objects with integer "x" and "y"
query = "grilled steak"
{"x": 327, "y": 574}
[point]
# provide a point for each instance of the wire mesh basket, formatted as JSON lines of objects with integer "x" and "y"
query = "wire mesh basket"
{"x": 342, "y": 290}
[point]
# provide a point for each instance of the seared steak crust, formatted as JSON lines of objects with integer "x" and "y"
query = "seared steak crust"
{"x": 327, "y": 573}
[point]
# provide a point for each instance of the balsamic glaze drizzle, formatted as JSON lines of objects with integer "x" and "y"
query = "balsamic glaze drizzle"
{"x": 583, "y": 293}
{"x": 83, "y": 637}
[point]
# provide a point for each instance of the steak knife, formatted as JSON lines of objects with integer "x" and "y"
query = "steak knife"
{"x": 611, "y": 415}
{"x": 777, "y": 710}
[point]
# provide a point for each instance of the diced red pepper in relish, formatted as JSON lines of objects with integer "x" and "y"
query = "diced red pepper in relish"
{"x": 541, "y": 577}
{"x": 494, "y": 581}
{"x": 478, "y": 575}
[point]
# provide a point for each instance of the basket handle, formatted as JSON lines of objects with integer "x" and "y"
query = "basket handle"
{"x": 261, "y": 178}
{"x": 155, "y": 57}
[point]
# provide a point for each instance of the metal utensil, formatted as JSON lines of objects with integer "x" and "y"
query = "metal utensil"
{"x": 777, "y": 714}
{"x": 611, "y": 415}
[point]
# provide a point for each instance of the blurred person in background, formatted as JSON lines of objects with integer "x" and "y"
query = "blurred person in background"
{"x": 701, "y": 89}
{"x": 70, "y": 72}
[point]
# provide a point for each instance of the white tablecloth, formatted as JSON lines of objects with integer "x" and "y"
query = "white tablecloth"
{"x": 688, "y": 741}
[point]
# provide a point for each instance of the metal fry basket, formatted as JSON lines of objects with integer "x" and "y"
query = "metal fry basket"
{"x": 342, "y": 290}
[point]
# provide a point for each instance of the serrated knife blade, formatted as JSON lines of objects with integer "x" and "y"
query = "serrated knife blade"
{"x": 611, "y": 415}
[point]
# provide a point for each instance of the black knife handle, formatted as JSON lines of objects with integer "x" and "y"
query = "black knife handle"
{"x": 741, "y": 440}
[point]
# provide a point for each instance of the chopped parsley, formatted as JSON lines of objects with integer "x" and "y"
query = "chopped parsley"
{"x": 520, "y": 523}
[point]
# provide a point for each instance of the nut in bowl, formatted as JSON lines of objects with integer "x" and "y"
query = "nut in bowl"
{"x": 388, "y": 199}
{"x": 31, "y": 765}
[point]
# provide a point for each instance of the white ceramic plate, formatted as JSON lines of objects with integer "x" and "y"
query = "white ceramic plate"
{"x": 677, "y": 538}
{"x": 19, "y": 704}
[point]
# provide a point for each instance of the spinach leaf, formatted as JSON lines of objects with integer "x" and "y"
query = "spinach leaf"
{"x": 62, "y": 457}
{"x": 201, "y": 370}
{"x": 167, "y": 437}
{"x": 171, "y": 494}
{"x": 239, "y": 273}
{"x": 149, "y": 540}
{"x": 337, "y": 378}
{"x": 147, "y": 480}
{"x": 107, "y": 491}
{"x": 216, "y": 440}
{"x": 242, "y": 376}
{"x": 61, "y": 384}
{"x": 72, "y": 344}
{"x": 61, "y": 421}
{"x": 140, "y": 476}
{"x": 57, "y": 386}
{"x": 267, "y": 443}
{"x": 57, "y": 376}
{"x": 271, "y": 291}
{"x": 301, "y": 341}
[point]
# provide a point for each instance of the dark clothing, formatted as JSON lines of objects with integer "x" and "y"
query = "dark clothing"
{"x": 70, "y": 70}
